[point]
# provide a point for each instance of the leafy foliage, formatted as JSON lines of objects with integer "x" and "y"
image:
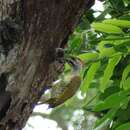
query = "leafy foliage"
{"x": 104, "y": 46}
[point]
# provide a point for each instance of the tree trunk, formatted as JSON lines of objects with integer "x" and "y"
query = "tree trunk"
{"x": 30, "y": 31}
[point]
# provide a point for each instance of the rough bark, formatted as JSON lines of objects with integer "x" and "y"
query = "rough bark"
{"x": 29, "y": 63}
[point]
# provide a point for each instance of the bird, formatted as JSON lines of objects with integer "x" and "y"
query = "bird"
{"x": 66, "y": 87}
{"x": 69, "y": 91}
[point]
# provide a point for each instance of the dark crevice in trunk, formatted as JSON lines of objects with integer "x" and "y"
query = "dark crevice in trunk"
{"x": 5, "y": 96}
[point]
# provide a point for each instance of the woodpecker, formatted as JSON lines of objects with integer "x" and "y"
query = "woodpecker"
{"x": 66, "y": 87}
{"x": 67, "y": 93}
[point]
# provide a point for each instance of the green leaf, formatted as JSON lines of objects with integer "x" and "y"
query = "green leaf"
{"x": 115, "y": 100}
{"x": 125, "y": 17}
{"x": 103, "y": 14}
{"x": 89, "y": 77}
{"x": 126, "y": 84}
{"x": 121, "y": 48}
{"x": 75, "y": 43}
{"x": 105, "y": 52}
{"x": 118, "y": 5}
{"x": 116, "y": 22}
{"x": 107, "y": 28}
{"x": 124, "y": 77}
{"x": 105, "y": 119}
{"x": 125, "y": 126}
{"x": 88, "y": 56}
{"x": 109, "y": 71}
